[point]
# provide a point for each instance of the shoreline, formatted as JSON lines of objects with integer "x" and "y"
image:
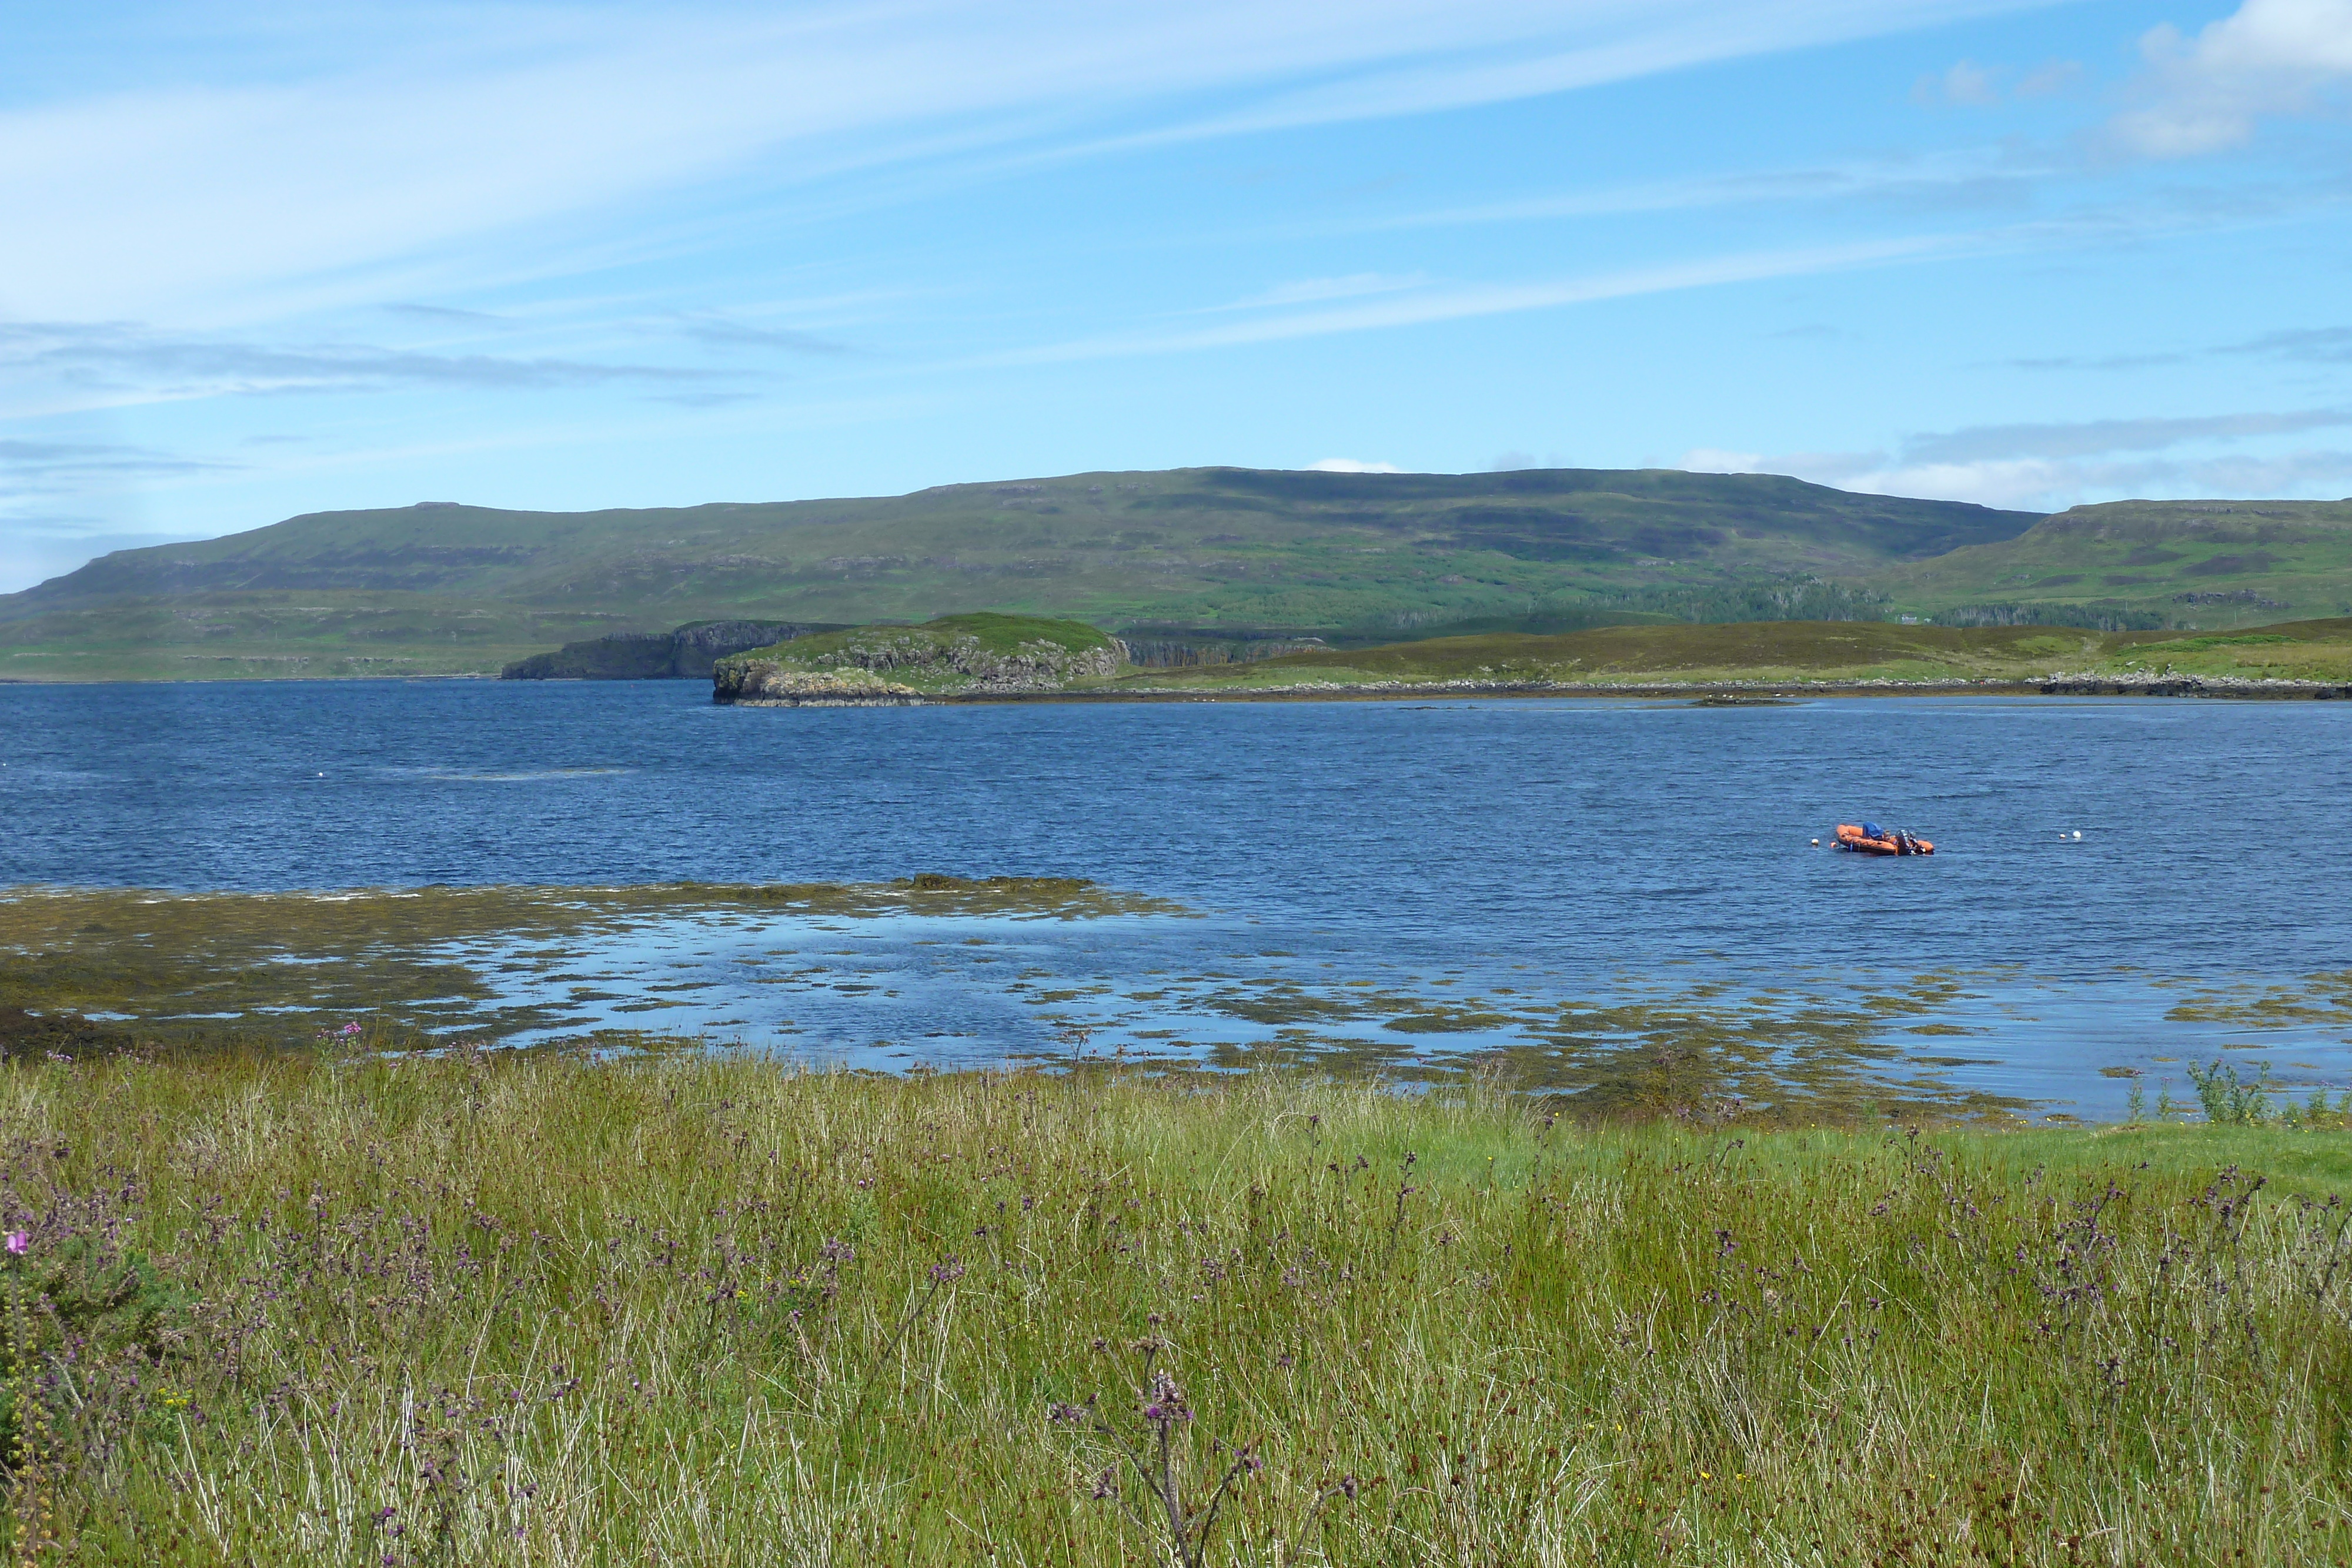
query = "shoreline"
{"x": 1754, "y": 693}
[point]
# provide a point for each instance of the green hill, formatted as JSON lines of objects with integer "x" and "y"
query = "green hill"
{"x": 2148, "y": 563}
{"x": 443, "y": 588}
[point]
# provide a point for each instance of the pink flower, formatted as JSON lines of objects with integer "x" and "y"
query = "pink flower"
{"x": 19, "y": 1242}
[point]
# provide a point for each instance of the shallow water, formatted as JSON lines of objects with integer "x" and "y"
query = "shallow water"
{"x": 1475, "y": 867}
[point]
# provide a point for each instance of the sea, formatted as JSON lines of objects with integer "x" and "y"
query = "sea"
{"x": 2123, "y": 889}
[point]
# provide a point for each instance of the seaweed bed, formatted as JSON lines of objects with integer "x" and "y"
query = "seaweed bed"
{"x": 191, "y": 969}
{"x": 701, "y": 968}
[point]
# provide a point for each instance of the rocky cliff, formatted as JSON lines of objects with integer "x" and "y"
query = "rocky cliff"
{"x": 685, "y": 653}
{"x": 957, "y": 655}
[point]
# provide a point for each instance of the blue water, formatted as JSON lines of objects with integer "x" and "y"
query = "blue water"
{"x": 1597, "y": 844}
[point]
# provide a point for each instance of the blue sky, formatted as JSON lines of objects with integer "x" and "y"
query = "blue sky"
{"x": 256, "y": 261}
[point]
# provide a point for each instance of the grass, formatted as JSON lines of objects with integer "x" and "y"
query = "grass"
{"x": 2299, "y": 650}
{"x": 1792, "y": 652}
{"x": 2201, "y": 563}
{"x": 493, "y": 1309}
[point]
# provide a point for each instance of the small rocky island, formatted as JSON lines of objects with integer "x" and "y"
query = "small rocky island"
{"x": 954, "y": 656}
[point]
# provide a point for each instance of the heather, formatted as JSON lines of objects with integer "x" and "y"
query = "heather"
{"x": 494, "y": 1308}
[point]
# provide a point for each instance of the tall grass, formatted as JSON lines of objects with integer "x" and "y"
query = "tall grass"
{"x": 531, "y": 1310}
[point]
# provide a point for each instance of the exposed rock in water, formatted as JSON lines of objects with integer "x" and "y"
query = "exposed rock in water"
{"x": 763, "y": 684}
{"x": 686, "y": 654}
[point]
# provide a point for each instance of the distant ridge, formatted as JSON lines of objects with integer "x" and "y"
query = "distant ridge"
{"x": 441, "y": 588}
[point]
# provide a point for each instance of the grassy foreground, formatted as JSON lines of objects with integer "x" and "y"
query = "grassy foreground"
{"x": 523, "y": 1308}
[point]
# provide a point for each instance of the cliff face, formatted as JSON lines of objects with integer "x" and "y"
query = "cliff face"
{"x": 686, "y": 654}
{"x": 959, "y": 655}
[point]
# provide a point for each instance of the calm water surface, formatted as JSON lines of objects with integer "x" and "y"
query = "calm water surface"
{"x": 1568, "y": 850}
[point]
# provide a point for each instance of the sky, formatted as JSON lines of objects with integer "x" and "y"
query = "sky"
{"x": 261, "y": 260}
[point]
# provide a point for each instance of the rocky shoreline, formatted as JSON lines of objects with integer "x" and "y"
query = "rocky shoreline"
{"x": 2224, "y": 687}
{"x": 897, "y": 666}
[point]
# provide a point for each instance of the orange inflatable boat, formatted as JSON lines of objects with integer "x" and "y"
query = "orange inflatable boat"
{"x": 1870, "y": 838}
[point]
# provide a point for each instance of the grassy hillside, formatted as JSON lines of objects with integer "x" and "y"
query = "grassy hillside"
{"x": 438, "y": 589}
{"x": 2201, "y": 563}
{"x": 501, "y": 1308}
{"x": 1796, "y": 650}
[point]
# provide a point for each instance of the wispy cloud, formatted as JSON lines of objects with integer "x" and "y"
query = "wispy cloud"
{"x": 2321, "y": 345}
{"x": 1459, "y": 302}
{"x": 1966, "y": 83}
{"x": 422, "y": 134}
{"x": 115, "y": 361}
{"x": 722, "y": 332}
{"x": 2087, "y": 437}
{"x": 1969, "y": 176}
{"x": 2031, "y": 484}
{"x": 1316, "y": 290}
{"x": 2310, "y": 345}
{"x": 50, "y": 467}
{"x": 443, "y": 313}
{"x": 2051, "y": 465}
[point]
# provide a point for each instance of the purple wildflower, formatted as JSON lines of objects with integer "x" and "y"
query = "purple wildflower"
{"x": 20, "y": 1242}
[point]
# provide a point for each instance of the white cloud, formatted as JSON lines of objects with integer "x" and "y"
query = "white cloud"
{"x": 2268, "y": 57}
{"x": 1350, "y": 466}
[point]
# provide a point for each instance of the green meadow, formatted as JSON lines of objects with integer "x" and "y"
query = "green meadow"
{"x": 1790, "y": 652}
{"x": 528, "y": 1308}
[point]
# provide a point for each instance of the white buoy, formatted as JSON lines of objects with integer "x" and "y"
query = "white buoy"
{"x": 2078, "y": 832}
{"x": 1817, "y": 844}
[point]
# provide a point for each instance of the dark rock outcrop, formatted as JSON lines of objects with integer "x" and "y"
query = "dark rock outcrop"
{"x": 686, "y": 654}
{"x": 984, "y": 653}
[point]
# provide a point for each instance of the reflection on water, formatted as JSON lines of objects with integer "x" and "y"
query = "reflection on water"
{"x": 1614, "y": 898}
{"x": 892, "y": 992}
